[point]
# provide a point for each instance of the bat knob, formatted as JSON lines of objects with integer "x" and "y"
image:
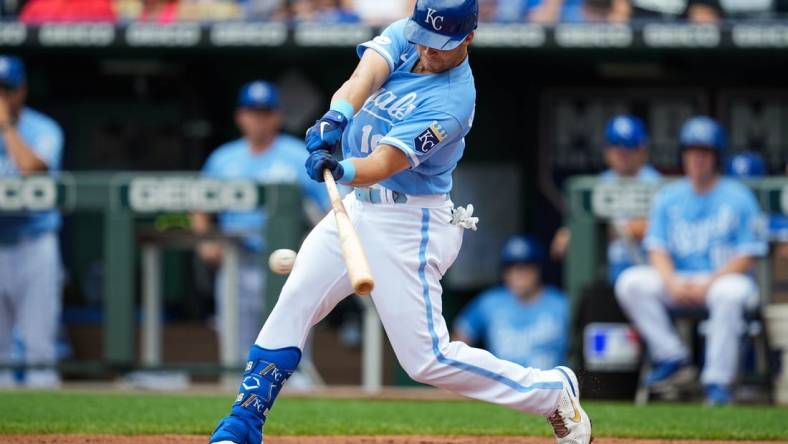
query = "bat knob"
{"x": 365, "y": 287}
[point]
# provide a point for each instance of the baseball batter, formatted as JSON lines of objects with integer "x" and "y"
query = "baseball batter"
{"x": 400, "y": 119}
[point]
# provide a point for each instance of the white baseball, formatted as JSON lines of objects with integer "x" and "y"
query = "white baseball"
{"x": 281, "y": 261}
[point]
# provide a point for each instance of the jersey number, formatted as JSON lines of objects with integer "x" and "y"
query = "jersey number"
{"x": 369, "y": 141}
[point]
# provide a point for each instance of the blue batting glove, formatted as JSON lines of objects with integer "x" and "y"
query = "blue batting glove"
{"x": 319, "y": 161}
{"x": 326, "y": 133}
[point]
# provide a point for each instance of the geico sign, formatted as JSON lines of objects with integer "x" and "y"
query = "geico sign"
{"x": 621, "y": 200}
{"x": 184, "y": 194}
{"x": 32, "y": 193}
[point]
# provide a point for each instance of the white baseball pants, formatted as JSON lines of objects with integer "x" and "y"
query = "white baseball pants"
{"x": 30, "y": 299}
{"x": 409, "y": 247}
{"x": 642, "y": 294}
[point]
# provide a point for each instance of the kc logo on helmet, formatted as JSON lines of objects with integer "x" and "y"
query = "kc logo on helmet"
{"x": 435, "y": 20}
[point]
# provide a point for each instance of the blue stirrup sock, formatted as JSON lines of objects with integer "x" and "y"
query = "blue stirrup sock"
{"x": 265, "y": 373}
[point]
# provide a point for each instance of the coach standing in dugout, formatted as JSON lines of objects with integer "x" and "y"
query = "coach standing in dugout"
{"x": 626, "y": 156}
{"x": 704, "y": 234}
{"x": 265, "y": 156}
{"x": 30, "y": 267}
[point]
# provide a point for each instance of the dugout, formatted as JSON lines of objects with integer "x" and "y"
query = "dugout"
{"x": 159, "y": 98}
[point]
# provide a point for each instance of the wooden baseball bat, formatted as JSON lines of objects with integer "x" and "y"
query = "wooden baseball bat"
{"x": 352, "y": 250}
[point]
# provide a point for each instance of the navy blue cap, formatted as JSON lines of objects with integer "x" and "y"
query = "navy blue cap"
{"x": 522, "y": 249}
{"x": 442, "y": 24}
{"x": 703, "y": 131}
{"x": 745, "y": 165}
{"x": 259, "y": 95}
{"x": 626, "y": 131}
{"x": 12, "y": 71}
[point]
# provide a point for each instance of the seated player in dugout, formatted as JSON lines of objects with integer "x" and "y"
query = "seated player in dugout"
{"x": 626, "y": 155}
{"x": 704, "y": 235}
{"x": 749, "y": 165}
{"x": 523, "y": 321}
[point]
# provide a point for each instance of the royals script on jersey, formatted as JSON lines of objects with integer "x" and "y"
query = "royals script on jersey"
{"x": 425, "y": 115}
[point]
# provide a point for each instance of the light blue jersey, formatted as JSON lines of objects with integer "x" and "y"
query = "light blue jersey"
{"x": 44, "y": 136}
{"x": 425, "y": 115}
{"x": 532, "y": 334}
{"x": 620, "y": 254}
{"x": 703, "y": 232}
{"x": 282, "y": 162}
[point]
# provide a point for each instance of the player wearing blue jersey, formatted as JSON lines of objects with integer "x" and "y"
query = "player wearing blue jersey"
{"x": 400, "y": 121}
{"x": 266, "y": 156}
{"x": 626, "y": 155}
{"x": 703, "y": 237}
{"x": 522, "y": 321}
{"x": 31, "y": 143}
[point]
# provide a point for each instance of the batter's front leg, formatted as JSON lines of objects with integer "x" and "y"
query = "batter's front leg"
{"x": 316, "y": 284}
{"x": 407, "y": 296}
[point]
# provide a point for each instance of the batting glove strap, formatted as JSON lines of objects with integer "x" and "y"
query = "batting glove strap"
{"x": 326, "y": 133}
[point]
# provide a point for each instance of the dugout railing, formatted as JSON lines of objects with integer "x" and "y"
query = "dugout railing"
{"x": 123, "y": 199}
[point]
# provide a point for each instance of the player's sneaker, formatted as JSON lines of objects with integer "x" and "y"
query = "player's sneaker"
{"x": 718, "y": 395}
{"x": 235, "y": 430}
{"x": 571, "y": 424}
{"x": 669, "y": 373}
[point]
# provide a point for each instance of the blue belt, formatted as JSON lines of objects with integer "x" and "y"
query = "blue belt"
{"x": 373, "y": 195}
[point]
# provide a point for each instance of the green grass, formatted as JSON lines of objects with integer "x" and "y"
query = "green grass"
{"x": 44, "y": 412}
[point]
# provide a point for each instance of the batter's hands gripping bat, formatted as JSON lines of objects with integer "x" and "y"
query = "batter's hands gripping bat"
{"x": 352, "y": 250}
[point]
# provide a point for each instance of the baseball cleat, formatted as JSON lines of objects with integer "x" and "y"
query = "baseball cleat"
{"x": 669, "y": 372}
{"x": 571, "y": 424}
{"x": 234, "y": 430}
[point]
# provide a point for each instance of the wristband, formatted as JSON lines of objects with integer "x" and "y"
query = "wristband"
{"x": 350, "y": 172}
{"x": 345, "y": 108}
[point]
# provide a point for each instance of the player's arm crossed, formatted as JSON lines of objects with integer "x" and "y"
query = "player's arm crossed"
{"x": 26, "y": 156}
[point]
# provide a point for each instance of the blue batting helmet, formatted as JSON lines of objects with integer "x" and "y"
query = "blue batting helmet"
{"x": 745, "y": 165}
{"x": 442, "y": 24}
{"x": 702, "y": 131}
{"x": 522, "y": 249}
{"x": 626, "y": 131}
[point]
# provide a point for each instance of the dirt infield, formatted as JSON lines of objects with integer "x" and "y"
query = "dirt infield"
{"x": 178, "y": 439}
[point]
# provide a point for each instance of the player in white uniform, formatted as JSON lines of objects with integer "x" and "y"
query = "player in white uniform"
{"x": 401, "y": 119}
{"x": 704, "y": 234}
{"x": 30, "y": 143}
